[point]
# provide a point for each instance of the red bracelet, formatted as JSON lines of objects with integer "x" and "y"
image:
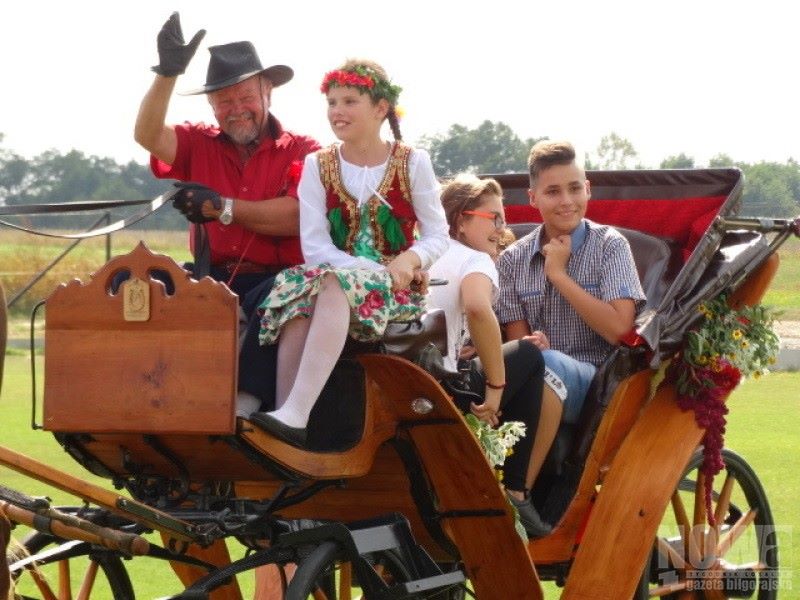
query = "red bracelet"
{"x": 492, "y": 386}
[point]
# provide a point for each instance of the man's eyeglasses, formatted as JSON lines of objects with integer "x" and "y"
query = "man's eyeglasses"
{"x": 499, "y": 222}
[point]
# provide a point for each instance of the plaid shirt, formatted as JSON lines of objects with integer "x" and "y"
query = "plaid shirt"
{"x": 601, "y": 262}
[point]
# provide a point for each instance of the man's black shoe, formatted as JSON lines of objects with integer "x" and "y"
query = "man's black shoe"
{"x": 296, "y": 436}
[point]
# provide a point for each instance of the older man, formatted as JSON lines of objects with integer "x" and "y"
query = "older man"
{"x": 244, "y": 175}
{"x": 242, "y": 191}
{"x": 249, "y": 162}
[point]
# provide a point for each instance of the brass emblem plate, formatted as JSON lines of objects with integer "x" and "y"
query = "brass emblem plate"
{"x": 136, "y": 300}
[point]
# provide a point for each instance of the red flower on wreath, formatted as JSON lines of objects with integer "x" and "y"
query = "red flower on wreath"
{"x": 345, "y": 78}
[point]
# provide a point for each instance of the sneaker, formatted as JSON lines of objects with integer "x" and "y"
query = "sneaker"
{"x": 529, "y": 517}
{"x": 246, "y": 404}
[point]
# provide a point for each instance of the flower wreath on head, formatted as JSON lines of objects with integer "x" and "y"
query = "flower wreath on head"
{"x": 728, "y": 345}
{"x": 364, "y": 79}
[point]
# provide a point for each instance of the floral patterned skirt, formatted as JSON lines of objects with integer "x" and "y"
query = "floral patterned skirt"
{"x": 369, "y": 293}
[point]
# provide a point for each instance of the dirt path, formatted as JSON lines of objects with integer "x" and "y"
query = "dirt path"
{"x": 789, "y": 332}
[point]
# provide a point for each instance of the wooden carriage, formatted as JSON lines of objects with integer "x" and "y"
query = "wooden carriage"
{"x": 140, "y": 387}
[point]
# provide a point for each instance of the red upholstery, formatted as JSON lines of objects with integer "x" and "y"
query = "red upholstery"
{"x": 683, "y": 220}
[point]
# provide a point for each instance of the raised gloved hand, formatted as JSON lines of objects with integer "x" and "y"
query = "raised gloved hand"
{"x": 190, "y": 199}
{"x": 173, "y": 53}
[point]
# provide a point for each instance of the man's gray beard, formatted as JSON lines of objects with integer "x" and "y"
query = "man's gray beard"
{"x": 243, "y": 137}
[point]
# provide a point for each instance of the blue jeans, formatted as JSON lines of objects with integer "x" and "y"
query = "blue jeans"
{"x": 575, "y": 376}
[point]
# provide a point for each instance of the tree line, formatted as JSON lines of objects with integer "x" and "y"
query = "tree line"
{"x": 771, "y": 189}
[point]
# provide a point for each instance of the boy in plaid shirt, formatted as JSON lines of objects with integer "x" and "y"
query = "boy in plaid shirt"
{"x": 570, "y": 287}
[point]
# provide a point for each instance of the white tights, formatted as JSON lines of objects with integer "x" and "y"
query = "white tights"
{"x": 308, "y": 349}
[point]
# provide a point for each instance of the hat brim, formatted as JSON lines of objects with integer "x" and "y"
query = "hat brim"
{"x": 277, "y": 74}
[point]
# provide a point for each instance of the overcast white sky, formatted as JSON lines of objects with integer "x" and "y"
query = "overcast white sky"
{"x": 700, "y": 77}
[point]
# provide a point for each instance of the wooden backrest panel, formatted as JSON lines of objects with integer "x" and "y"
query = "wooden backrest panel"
{"x": 172, "y": 371}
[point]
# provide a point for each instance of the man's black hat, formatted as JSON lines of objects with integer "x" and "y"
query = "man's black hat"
{"x": 232, "y": 63}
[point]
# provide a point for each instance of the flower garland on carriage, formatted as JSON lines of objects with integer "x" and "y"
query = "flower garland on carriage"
{"x": 728, "y": 345}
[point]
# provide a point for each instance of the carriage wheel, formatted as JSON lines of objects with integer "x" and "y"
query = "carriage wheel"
{"x": 736, "y": 559}
{"x": 92, "y": 573}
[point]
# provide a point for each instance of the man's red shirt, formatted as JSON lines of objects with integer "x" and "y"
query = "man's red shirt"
{"x": 206, "y": 155}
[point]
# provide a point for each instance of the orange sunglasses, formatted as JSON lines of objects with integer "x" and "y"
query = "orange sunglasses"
{"x": 499, "y": 222}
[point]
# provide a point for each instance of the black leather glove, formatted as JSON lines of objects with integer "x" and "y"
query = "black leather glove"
{"x": 190, "y": 198}
{"x": 173, "y": 53}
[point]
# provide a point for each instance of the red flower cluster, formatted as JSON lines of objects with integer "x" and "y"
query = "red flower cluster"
{"x": 346, "y": 78}
{"x": 705, "y": 393}
{"x": 372, "y": 301}
{"x": 402, "y": 296}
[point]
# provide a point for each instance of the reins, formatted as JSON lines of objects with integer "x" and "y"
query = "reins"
{"x": 69, "y": 207}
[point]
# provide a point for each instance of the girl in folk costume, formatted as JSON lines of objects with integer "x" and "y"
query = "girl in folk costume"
{"x": 361, "y": 201}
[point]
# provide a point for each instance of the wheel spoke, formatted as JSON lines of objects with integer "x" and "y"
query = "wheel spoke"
{"x": 697, "y": 532}
{"x": 663, "y": 590}
{"x": 724, "y": 501}
{"x": 693, "y": 545}
{"x": 88, "y": 581}
{"x": 675, "y": 558}
{"x": 756, "y": 565}
{"x": 64, "y": 586}
{"x": 51, "y": 563}
{"x": 42, "y": 585}
{"x": 345, "y": 581}
{"x": 733, "y": 534}
{"x": 699, "y": 500}
{"x": 679, "y": 510}
{"x": 682, "y": 519}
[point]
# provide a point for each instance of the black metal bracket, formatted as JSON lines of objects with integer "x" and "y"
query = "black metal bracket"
{"x": 259, "y": 459}
{"x": 183, "y": 473}
{"x": 460, "y": 514}
{"x": 423, "y": 498}
{"x": 406, "y": 425}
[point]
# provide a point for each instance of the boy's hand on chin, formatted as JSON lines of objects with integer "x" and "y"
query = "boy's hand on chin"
{"x": 556, "y": 255}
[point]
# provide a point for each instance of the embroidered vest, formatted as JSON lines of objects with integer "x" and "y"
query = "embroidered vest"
{"x": 392, "y": 226}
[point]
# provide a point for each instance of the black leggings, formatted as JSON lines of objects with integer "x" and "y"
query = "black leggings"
{"x": 521, "y": 401}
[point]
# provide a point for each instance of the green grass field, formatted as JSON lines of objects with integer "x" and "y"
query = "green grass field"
{"x": 764, "y": 427}
{"x": 24, "y": 255}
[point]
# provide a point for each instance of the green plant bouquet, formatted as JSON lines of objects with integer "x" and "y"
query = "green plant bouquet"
{"x": 497, "y": 443}
{"x": 728, "y": 345}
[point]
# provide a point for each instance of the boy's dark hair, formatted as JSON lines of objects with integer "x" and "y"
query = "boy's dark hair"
{"x": 546, "y": 154}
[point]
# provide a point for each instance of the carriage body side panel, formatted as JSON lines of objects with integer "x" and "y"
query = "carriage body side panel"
{"x": 640, "y": 483}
